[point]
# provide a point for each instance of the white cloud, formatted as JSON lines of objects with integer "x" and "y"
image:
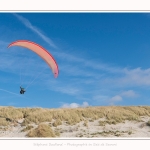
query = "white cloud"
{"x": 85, "y": 104}
{"x": 75, "y": 105}
{"x": 114, "y": 99}
{"x": 72, "y": 105}
{"x": 136, "y": 77}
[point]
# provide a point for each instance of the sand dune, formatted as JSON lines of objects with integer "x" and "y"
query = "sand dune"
{"x": 126, "y": 129}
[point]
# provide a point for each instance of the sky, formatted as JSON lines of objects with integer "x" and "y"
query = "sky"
{"x": 103, "y": 59}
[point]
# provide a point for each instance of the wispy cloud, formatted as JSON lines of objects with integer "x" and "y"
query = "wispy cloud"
{"x": 28, "y": 24}
{"x": 124, "y": 94}
{"x": 89, "y": 63}
{"x": 137, "y": 76}
{"x": 67, "y": 90}
{"x": 129, "y": 93}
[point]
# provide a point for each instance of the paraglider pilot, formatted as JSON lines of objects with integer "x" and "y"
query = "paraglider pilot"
{"x": 22, "y": 90}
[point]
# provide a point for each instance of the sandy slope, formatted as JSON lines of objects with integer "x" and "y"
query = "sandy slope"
{"x": 93, "y": 129}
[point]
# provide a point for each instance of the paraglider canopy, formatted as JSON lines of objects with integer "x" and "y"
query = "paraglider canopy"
{"x": 42, "y": 52}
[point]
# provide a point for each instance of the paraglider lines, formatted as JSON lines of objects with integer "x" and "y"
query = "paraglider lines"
{"x": 34, "y": 79}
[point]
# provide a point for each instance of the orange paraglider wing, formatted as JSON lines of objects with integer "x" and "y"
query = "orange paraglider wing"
{"x": 43, "y": 53}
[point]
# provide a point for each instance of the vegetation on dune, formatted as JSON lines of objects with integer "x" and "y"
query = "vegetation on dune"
{"x": 11, "y": 113}
{"x": 40, "y": 122}
{"x": 28, "y": 127}
{"x": 112, "y": 114}
{"x": 3, "y": 122}
{"x": 103, "y": 123}
{"x": 57, "y": 123}
{"x": 43, "y": 130}
{"x": 148, "y": 123}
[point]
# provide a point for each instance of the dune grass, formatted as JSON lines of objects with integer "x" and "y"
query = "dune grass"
{"x": 43, "y": 130}
{"x": 3, "y": 122}
{"x": 43, "y": 118}
{"x": 28, "y": 127}
{"x": 11, "y": 113}
{"x": 148, "y": 123}
{"x": 112, "y": 114}
{"x": 57, "y": 123}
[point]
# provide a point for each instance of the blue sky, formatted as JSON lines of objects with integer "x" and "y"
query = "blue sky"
{"x": 103, "y": 59}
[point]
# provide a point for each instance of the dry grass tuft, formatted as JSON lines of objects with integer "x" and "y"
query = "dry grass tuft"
{"x": 29, "y": 127}
{"x": 148, "y": 123}
{"x": 85, "y": 123}
{"x": 43, "y": 130}
{"x": 26, "y": 122}
{"x": 103, "y": 123}
{"x": 3, "y": 122}
{"x": 57, "y": 123}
